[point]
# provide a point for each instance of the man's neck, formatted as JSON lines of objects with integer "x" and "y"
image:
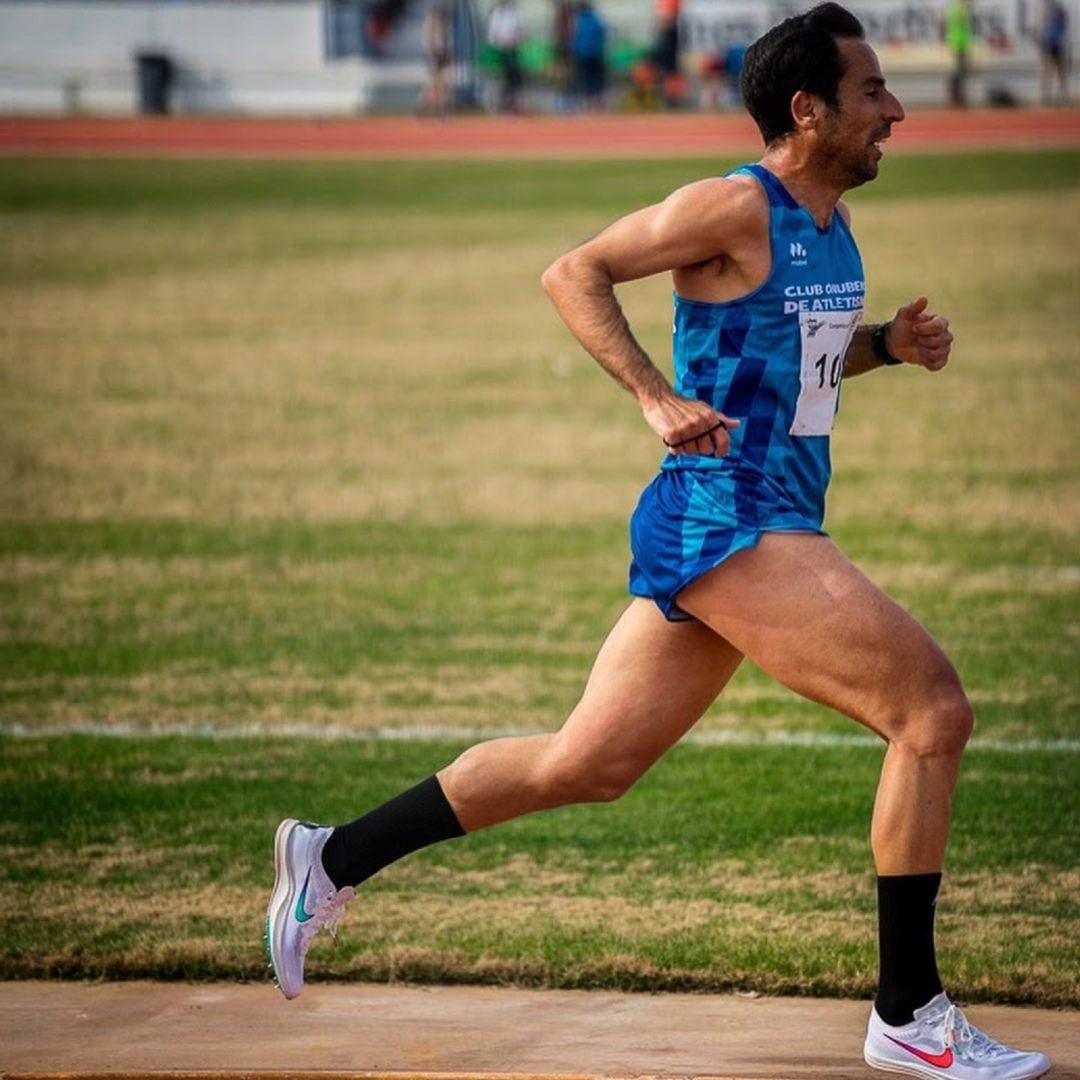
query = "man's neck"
{"x": 808, "y": 184}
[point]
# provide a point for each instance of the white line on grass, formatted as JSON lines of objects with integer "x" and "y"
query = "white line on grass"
{"x": 435, "y": 733}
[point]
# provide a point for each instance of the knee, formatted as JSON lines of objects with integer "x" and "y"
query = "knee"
{"x": 940, "y": 726}
{"x": 567, "y": 777}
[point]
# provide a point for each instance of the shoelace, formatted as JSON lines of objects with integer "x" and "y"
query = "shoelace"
{"x": 335, "y": 909}
{"x": 964, "y": 1037}
{"x": 326, "y": 917}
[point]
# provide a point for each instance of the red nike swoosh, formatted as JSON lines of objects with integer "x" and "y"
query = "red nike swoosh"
{"x": 940, "y": 1061}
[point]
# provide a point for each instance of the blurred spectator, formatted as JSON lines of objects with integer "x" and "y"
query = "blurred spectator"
{"x": 382, "y": 14}
{"x": 435, "y": 34}
{"x": 712, "y": 82}
{"x": 666, "y": 52}
{"x": 667, "y": 36}
{"x": 562, "y": 32}
{"x": 587, "y": 48}
{"x": 720, "y": 74}
{"x": 959, "y": 35}
{"x": 1054, "y": 52}
{"x": 505, "y": 31}
{"x": 733, "y": 64}
{"x": 644, "y": 85}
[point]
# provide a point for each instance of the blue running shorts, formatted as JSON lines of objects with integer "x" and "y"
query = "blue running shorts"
{"x": 689, "y": 521}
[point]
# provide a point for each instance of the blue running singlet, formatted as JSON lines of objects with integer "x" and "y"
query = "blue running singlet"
{"x": 773, "y": 360}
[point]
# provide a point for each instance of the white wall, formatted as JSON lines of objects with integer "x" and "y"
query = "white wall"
{"x": 251, "y": 57}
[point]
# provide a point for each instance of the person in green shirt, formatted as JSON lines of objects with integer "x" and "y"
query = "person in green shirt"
{"x": 959, "y": 35}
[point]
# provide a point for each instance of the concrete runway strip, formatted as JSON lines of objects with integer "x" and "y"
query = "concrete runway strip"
{"x": 216, "y": 1030}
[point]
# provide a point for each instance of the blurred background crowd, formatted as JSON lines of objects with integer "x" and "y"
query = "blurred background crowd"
{"x": 434, "y": 57}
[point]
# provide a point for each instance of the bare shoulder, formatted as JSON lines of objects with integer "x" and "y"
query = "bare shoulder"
{"x": 721, "y": 197}
{"x": 709, "y": 220}
{"x": 725, "y": 208}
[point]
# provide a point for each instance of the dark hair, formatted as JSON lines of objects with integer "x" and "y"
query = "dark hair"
{"x": 798, "y": 54}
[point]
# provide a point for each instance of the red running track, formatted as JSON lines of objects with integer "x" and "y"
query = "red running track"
{"x": 613, "y": 135}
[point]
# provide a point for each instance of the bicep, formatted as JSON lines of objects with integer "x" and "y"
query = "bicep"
{"x": 691, "y": 226}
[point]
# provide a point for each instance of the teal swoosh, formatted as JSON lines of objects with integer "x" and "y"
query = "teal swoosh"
{"x": 301, "y": 915}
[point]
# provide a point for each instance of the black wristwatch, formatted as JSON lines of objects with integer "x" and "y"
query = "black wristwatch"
{"x": 877, "y": 343}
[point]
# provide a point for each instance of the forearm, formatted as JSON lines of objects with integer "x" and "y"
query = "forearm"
{"x": 860, "y": 356}
{"x": 584, "y": 296}
{"x": 582, "y": 288}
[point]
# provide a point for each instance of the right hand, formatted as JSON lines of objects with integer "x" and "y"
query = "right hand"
{"x": 688, "y": 426}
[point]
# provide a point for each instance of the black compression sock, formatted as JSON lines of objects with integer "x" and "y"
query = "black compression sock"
{"x": 909, "y": 976}
{"x": 414, "y": 819}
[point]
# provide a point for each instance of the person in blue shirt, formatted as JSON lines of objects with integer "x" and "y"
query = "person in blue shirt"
{"x": 1054, "y": 53}
{"x": 734, "y": 55}
{"x": 587, "y": 49}
{"x": 730, "y": 559}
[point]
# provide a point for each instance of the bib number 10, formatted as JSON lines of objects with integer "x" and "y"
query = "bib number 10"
{"x": 825, "y": 337}
{"x": 835, "y": 369}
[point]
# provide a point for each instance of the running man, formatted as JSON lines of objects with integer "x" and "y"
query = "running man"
{"x": 729, "y": 556}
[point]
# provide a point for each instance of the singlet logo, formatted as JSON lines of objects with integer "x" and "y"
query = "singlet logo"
{"x": 798, "y": 253}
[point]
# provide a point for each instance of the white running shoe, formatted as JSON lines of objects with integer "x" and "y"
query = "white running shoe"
{"x": 304, "y": 901}
{"x": 941, "y": 1042}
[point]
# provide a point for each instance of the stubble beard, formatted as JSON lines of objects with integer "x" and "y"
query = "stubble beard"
{"x": 852, "y": 167}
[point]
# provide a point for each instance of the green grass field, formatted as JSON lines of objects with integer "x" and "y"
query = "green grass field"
{"x": 296, "y": 464}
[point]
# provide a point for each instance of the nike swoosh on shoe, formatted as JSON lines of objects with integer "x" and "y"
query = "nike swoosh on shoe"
{"x": 939, "y": 1061}
{"x": 301, "y": 914}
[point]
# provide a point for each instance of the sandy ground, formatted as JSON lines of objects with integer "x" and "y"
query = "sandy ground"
{"x": 158, "y": 1029}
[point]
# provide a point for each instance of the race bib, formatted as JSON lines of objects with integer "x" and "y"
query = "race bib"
{"x": 826, "y": 336}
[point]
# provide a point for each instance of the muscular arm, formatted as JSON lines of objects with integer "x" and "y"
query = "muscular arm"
{"x": 581, "y": 285}
{"x": 696, "y": 224}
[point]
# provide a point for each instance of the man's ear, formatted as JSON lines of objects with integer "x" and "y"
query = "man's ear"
{"x": 807, "y": 110}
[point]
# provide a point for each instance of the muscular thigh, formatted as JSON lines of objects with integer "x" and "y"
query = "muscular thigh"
{"x": 805, "y": 614}
{"x": 651, "y": 682}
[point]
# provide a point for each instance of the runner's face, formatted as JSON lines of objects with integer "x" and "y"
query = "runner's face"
{"x": 864, "y": 116}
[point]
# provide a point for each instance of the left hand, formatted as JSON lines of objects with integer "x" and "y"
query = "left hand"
{"x": 917, "y": 337}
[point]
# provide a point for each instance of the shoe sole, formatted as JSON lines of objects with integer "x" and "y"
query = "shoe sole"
{"x": 914, "y": 1069}
{"x": 281, "y": 899}
{"x": 911, "y": 1069}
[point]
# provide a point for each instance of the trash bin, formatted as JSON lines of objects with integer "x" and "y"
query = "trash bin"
{"x": 155, "y": 76}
